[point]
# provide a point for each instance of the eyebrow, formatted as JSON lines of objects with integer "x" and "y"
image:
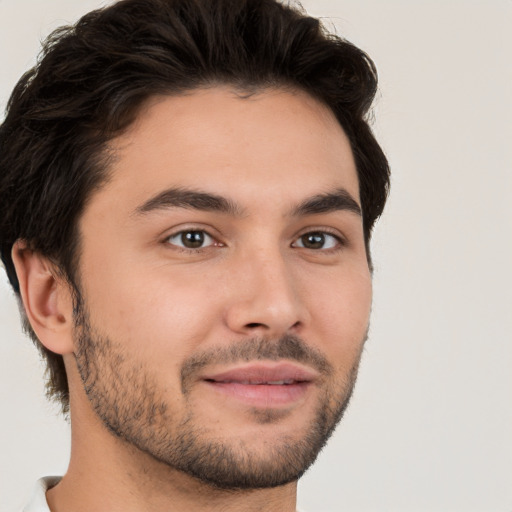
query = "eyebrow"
{"x": 338, "y": 200}
{"x": 190, "y": 199}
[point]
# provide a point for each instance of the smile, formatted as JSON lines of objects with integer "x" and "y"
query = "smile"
{"x": 263, "y": 385}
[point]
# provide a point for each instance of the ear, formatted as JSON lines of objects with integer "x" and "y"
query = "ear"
{"x": 47, "y": 299}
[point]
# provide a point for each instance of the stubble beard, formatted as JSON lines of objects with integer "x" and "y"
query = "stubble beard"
{"x": 128, "y": 400}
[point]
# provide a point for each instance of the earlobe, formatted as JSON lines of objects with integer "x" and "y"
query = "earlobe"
{"x": 46, "y": 299}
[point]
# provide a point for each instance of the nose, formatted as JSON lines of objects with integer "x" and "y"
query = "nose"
{"x": 265, "y": 298}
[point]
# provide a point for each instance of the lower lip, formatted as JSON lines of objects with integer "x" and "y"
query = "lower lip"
{"x": 262, "y": 395}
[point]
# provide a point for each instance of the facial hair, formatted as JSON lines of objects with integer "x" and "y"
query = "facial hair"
{"x": 132, "y": 405}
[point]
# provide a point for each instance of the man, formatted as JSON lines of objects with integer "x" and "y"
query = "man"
{"x": 188, "y": 193}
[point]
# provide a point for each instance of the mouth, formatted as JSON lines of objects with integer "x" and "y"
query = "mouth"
{"x": 263, "y": 385}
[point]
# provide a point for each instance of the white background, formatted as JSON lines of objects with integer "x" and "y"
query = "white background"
{"x": 430, "y": 425}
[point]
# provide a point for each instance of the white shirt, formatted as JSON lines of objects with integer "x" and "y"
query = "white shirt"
{"x": 38, "y": 501}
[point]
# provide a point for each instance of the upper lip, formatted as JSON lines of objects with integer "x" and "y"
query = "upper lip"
{"x": 264, "y": 373}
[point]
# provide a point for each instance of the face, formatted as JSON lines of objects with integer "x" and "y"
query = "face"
{"x": 226, "y": 286}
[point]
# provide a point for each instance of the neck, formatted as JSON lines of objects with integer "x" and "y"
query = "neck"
{"x": 108, "y": 474}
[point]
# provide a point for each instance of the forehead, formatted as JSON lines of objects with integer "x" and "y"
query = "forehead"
{"x": 282, "y": 143}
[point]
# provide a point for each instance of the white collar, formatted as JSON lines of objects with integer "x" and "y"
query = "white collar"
{"x": 38, "y": 501}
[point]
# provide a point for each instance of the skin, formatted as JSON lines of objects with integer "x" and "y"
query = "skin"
{"x": 161, "y": 305}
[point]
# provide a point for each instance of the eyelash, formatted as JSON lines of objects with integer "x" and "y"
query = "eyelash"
{"x": 340, "y": 242}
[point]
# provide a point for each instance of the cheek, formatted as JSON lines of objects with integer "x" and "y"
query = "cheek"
{"x": 162, "y": 311}
{"x": 340, "y": 309}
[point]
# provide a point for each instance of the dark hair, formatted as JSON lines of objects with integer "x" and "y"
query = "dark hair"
{"x": 92, "y": 78}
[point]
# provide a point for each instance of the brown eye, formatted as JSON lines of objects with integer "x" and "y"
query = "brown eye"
{"x": 191, "y": 239}
{"x": 313, "y": 240}
{"x": 317, "y": 240}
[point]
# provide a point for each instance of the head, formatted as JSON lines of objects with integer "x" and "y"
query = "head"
{"x": 106, "y": 84}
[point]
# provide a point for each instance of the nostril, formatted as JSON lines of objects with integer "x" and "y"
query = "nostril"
{"x": 255, "y": 325}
